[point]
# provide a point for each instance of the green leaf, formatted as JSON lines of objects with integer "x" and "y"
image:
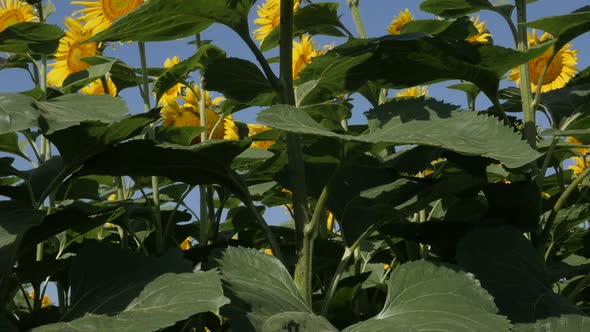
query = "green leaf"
{"x": 423, "y": 296}
{"x": 17, "y": 112}
{"x": 564, "y": 323}
{"x": 454, "y": 29}
{"x": 301, "y": 321}
{"x": 99, "y": 67}
{"x": 116, "y": 290}
{"x": 15, "y": 220}
{"x": 9, "y": 143}
{"x": 204, "y": 163}
{"x": 260, "y": 288}
{"x": 424, "y": 122}
{"x": 240, "y": 80}
{"x": 93, "y": 138}
{"x": 205, "y": 54}
{"x": 418, "y": 58}
{"x": 314, "y": 19}
{"x": 564, "y": 27}
{"x": 454, "y": 8}
{"x": 518, "y": 283}
{"x": 30, "y": 38}
{"x": 158, "y": 20}
{"x": 178, "y": 135}
{"x": 70, "y": 110}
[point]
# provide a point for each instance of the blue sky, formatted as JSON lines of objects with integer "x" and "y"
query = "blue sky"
{"x": 377, "y": 15}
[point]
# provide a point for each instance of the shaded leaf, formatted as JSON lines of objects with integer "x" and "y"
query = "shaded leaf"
{"x": 454, "y": 8}
{"x": 423, "y": 296}
{"x": 99, "y": 67}
{"x": 17, "y": 112}
{"x": 9, "y": 143}
{"x": 565, "y": 323}
{"x": 15, "y": 220}
{"x": 518, "y": 283}
{"x": 564, "y": 27}
{"x": 299, "y": 321}
{"x": 178, "y": 135}
{"x": 30, "y": 38}
{"x": 146, "y": 293}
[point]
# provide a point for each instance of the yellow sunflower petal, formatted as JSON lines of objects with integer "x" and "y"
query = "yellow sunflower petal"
{"x": 269, "y": 17}
{"x": 303, "y": 53}
{"x": 399, "y": 21}
{"x": 482, "y": 36}
{"x": 97, "y": 88}
{"x": 561, "y": 70}
{"x": 15, "y": 11}
{"x": 413, "y": 92}
{"x": 100, "y": 14}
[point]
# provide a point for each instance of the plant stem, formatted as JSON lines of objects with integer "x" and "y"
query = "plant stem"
{"x": 203, "y": 220}
{"x": 356, "y": 16}
{"x": 558, "y": 205}
{"x": 303, "y": 270}
{"x": 530, "y": 129}
{"x": 151, "y": 135}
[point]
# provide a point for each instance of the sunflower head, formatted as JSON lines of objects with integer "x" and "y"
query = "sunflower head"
{"x": 559, "y": 72}
{"x": 231, "y": 129}
{"x": 399, "y": 21}
{"x": 70, "y": 52}
{"x": 303, "y": 53}
{"x": 482, "y": 36}
{"x": 254, "y": 129}
{"x": 177, "y": 89}
{"x": 100, "y": 14}
{"x": 15, "y": 11}
{"x": 269, "y": 17}
{"x": 413, "y": 92}
{"x": 97, "y": 88}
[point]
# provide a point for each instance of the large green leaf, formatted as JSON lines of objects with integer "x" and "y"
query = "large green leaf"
{"x": 565, "y": 323}
{"x": 424, "y": 122}
{"x": 518, "y": 283}
{"x": 92, "y": 138}
{"x": 205, "y": 54}
{"x": 454, "y": 8}
{"x": 417, "y": 58}
{"x": 315, "y": 19}
{"x": 99, "y": 67}
{"x": 172, "y": 19}
{"x": 262, "y": 292}
{"x": 564, "y": 27}
{"x": 240, "y": 80}
{"x": 205, "y": 163}
{"x": 115, "y": 290}
{"x": 300, "y": 321}
{"x": 425, "y": 297}
{"x": 15, "y": 220}
{"x": 69, "y": 110}
{"x": 17, "y": 112}
{"x": 9, "y": 143}
{"x": 30, "y": 38}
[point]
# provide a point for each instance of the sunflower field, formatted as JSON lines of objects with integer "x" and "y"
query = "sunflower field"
{"x": 424, "y": 215}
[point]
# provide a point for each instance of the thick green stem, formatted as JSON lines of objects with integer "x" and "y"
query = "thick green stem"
{"x": 203, "y": 219}
{"x": 356, "y": 16}
{"x": 530, "y": 128}
{"x": 303, "y": 270}
{"x": 151, "y": 135}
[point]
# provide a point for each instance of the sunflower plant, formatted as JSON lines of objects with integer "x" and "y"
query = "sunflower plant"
{"x": 424, "y": 216}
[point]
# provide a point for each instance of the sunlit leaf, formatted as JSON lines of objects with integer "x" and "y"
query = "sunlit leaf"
{"x": 564, "y": 27}
{"x": 17, "y": 113}
{"x": 30, "y": 38}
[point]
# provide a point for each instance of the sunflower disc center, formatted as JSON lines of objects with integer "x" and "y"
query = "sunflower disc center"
{"x": 11, "y": 17}
{"x": 78, "y": 52}
{"x": 114, "y": 9}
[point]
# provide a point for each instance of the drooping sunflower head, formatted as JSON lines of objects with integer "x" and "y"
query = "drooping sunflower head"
{"x": 269, "y": 17}
{"x": 303, "y": 53}
{"x": 100, "y": 14}
{"x": 559, "y": 72}
{"x": 399, "y": 21}
{"x": 177, "y": 89}
{"x": 70, "y": 52}
{"x": 97, "y": 88}
{"x": 482, "y": 36}
{"x": 15, "y": 11}
{"x": 254, "y": 129}
{"x": 413, "y": 92}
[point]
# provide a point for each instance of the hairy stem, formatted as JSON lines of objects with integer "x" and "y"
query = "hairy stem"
{"x": 356, "y": 16}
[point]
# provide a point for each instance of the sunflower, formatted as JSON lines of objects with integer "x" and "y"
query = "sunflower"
{"x": 413, "y": 92}
{"x": 560, "y": 71}
{"x": 70, "y": 52}
{"x": 269, "y": 16}
{"x": 45, "y": 302}
{"x": 303, "y": 53}
{"x": 15, "y": 11}
{"x": 580, "y": 164}
{"x": 231, "y": 131}
{"x": 188, "y": 114}
{"x": 186, "y": 244}
{"x": 254, "y": 129}
{"x": 399, "y": 21}
{"x": 100, "y": 14}
{"x": 97, "y": 88}
{"x": 482, "y": 36}
{"x": 177, "y": 89}
{"x": 581, "y": 151}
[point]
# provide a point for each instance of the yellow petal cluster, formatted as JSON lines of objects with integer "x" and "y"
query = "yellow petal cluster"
{"x": 560, "y": 71}
{"x": 45, "y": 302}
{"x": 413, "y": 92}
{"x": 100, "y": 14}
{"x": 399, "y": 21}
{"x": 482, "y": 36}
{"x": 303, "y": 53}
{"x": 97, "y": 88}
{"x": 269, "y": 17}
{"x": 71, "y": 51}
{"x": 15, "y": 11}
{"x": 177, "y": 89}
{"x": 186, "y": 244}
